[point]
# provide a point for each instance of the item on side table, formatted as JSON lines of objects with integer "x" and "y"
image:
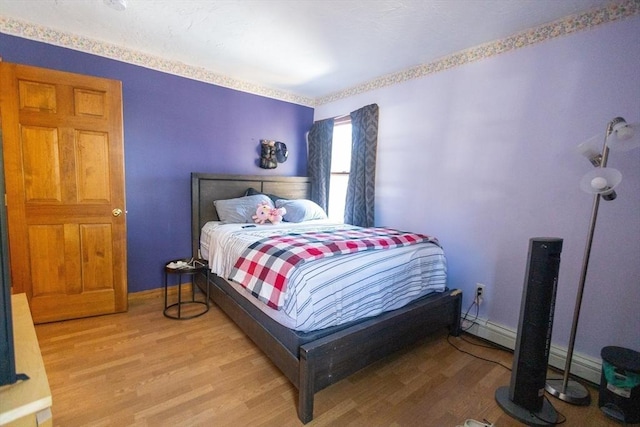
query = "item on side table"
{"x": 187, "y": 267}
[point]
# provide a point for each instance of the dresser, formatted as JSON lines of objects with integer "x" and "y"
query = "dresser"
{"x": 26, "y": 403}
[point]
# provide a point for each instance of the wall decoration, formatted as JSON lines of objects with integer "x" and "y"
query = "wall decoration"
{"x": 282, "y": 153}
{"x": 272, "y": 153}
{"x": 268, "y": 154}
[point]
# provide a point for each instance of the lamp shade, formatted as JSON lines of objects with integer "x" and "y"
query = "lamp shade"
{"x": 624, "y": 136}
{"x": 591, "y": 149}
{"x": 600, "y": 181}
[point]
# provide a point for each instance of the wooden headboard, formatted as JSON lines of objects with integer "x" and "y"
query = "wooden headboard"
{"x": 206, "y": 187}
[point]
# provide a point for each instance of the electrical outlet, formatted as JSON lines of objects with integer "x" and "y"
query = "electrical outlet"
{"x": 479, "y": 293}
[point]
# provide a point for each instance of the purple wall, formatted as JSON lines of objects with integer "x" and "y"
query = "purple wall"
{"x": 483, "y": 156}
{"x": 174, "y": 126}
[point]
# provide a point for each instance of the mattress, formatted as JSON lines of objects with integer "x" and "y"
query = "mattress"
{"x": 292, "y": 339}
{"x": 336, "y": 290}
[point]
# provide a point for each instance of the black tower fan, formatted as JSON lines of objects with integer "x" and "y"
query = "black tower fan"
{"x": 524, "y": 399}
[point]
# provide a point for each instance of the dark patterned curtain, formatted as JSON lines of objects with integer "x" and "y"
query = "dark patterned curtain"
{"x": 359, "y": 207}
{"x": 319, "y": 163}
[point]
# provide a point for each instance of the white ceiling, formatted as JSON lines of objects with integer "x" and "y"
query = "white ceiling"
{"x": 310, "y": 48}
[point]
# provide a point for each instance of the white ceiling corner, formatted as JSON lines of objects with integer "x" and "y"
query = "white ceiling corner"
{"x": 310, "y": 49}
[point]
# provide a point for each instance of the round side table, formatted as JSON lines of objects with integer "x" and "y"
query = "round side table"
{"x": 185, "y": 267}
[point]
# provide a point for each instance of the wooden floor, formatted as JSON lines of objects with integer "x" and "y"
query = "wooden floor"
{"x": 142, "y": 369}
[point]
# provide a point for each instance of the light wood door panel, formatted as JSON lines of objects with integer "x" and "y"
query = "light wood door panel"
{"x": 64, "y": 171}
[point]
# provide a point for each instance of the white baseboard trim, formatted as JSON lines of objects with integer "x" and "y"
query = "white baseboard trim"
{"x": 582, "y": 366}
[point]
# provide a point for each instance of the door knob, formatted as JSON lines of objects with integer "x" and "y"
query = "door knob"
{"x": 116, "y": 212}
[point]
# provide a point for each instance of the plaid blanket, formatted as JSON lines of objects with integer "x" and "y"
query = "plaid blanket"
{"x": 266, "y": 265}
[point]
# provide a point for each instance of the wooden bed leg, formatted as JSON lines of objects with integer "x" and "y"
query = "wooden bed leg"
{"x": 305, "y": 388}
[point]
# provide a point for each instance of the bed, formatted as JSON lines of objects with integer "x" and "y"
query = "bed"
{"x": 312, "y": 360}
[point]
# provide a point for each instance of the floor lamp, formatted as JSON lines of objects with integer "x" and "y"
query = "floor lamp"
{"x": 601, "y": 181}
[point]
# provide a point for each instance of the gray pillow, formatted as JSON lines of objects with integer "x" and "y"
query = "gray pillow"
{"x": 240, "y": 210}
{"x": 299, "y": 210}
{"x": 252, "y": 192}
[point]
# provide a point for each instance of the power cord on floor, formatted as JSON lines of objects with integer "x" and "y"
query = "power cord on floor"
{"x": 555, "y": 423}
{"x": 490, "y": 346}
{"x": 494, "y": 347}
{"x": 473, "y": 322}
{"x": 475, "y": 355}
{"x": 563, "y": 417}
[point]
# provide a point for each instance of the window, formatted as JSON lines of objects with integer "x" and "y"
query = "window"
{"x": 340, "y": 167}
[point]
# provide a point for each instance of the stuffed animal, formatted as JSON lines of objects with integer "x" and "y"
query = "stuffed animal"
{"x": 276, "y": 214}
{"x": 265, "y": 213}
{"x": 262, "y": 213}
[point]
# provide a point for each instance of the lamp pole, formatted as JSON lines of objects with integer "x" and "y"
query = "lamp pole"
{"x": 569, "y": 390}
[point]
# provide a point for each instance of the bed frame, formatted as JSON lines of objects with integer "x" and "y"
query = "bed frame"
{"x": 327, "y": 360}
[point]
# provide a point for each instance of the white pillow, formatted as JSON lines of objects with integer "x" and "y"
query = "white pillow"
{"x": 240, "y": 210}
{"x": 299, "y": 210}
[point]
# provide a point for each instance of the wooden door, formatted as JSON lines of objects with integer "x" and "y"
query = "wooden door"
{"x": 64, "y": 172}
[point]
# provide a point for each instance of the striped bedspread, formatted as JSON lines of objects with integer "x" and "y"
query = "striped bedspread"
{"x": 266, "y": 265}
{"x": 332, "y": 290}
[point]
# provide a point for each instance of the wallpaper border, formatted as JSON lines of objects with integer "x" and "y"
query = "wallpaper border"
{"x": 568, "y": 25}
{"x": 549, "y": 31}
